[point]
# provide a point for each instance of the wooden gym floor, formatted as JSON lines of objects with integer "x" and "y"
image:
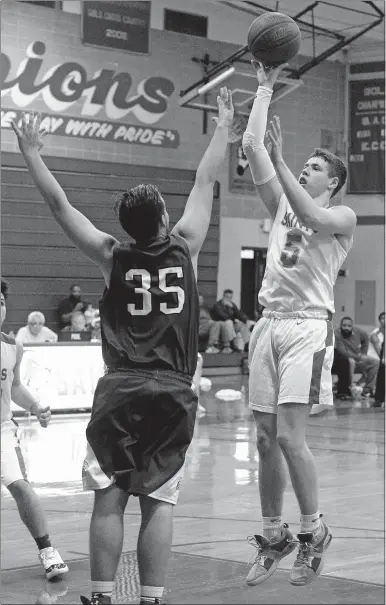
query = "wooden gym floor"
{"x": 217, "y": 510}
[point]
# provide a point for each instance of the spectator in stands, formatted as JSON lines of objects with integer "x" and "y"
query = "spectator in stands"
{"x": 78, "y": 323}
{"x": 379, "y": 395}
{"x": 71, "y": 304}
{"x": 341, "y": 367}
{"x": 96, "y": 329}
{"x": 235, "y": 335}
{"x": 377, "y": 338}
{"x": 35, "y": 330}
{"x": 209, "y": 330}
{"x": 353, "y": 343}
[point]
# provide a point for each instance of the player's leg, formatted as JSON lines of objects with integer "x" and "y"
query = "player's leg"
{"x": 154, "y": 544}
{"x": 13, "y": 476}
{"x": 106, "y": 540}
{"x": 276, "y": 541}
{"x": 305, "y": 369}
{"x": 272, "y": 473}
{"x": 167, "y": 432}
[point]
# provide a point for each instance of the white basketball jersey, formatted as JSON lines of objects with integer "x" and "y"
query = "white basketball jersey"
{"x": 8, "y": 362}
{"x": 302, "y": 266}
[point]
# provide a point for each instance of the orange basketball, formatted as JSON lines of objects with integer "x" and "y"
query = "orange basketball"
{"x": 274, "y": 38}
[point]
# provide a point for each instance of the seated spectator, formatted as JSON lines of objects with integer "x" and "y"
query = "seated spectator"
{"x": 235, "y": 335}
{"x": 377, "y": 338}
{"x": 73, "y": 303}
{"x": 341, "y": 367}
{"x": 35, "y": 330}
{"x": 379, "y": 395}
{"x": 96, "y": 329}
{"x": 78, "y": 323}
{"x": 209, "y": 330}
{"x": 353, "y": 343}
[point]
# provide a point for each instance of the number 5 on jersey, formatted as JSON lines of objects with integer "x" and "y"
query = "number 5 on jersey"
{"x": 144, "y": 290}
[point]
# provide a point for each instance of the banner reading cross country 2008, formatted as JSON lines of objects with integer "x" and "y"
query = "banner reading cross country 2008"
{"x": 366, "y": 157}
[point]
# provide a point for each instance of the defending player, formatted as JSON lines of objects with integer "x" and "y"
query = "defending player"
{"x": 144, "y": 409}
{"x": 291, "y": 348}
{"x": 13, "y": 474}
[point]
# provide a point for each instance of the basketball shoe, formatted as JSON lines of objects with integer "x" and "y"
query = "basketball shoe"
{"x": 269, "y": 554}
{"x": 52, "y": 562}
{"x": 309, "y": 560}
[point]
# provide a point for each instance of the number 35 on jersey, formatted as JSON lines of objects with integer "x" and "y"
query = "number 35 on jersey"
{"x": 147, "y": 303}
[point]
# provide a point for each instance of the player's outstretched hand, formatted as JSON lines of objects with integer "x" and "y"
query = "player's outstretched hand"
{"x": 225, "y": 108}
{"x": 28, "y": 132}
{"x": 274, "y": 140}
{"x": 266, "y": 76}
{"x": 43, "y": 414}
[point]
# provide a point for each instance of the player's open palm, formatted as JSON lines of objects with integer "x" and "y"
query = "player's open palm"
{"x": 266, "y": 75}
{"x": 225, "y": 108}
{"x": 274, "y": 140}
{"x": 28, "y": 132}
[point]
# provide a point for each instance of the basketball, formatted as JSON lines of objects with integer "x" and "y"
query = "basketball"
{"x": 274, "y": 38}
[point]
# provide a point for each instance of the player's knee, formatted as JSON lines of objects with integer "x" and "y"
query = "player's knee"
{"x": 19, "y": 488}
{"x": 264, "y": 442}
{"x": 289, "y": 440}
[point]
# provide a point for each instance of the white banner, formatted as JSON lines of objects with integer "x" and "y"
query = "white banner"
{"x": 63, "y": 376}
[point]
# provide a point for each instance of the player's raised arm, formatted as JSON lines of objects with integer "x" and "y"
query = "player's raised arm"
{"x": 262, "y": 169}
{"x": 194, "y": 223}
{"x": 336, "y": 220}
{"x": 95, "y": 244}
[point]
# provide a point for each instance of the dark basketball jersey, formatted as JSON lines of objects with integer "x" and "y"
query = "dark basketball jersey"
{"x": 150, "y": 312}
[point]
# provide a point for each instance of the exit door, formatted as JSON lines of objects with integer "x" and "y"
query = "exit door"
{"x": 253, "y": 262}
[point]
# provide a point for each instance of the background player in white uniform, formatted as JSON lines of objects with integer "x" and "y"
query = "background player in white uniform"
{"x": 13, "y": 474}
{"x": 291, "y": 348}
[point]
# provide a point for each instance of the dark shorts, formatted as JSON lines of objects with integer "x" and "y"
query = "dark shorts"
{"x": 141, "y": 425}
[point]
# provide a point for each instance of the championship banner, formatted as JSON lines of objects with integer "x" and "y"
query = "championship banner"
{"x": 62, "y": 376}
{"x": 366, "y": 156}
{"x": 117, "y": 132}
{"x": 117, "y": 25}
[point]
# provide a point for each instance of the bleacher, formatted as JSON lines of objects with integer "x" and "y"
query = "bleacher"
{"x": 217, "y": 364}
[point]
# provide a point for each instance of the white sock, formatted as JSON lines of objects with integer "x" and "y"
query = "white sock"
{"x": 310, "y": 523}
{"x": 151, "y": 593}
{"x": 272, "y": 527}
{"x": 105, "y": 588}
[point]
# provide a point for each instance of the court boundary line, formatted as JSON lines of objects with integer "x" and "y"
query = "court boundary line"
{"x": 127, "y": 552}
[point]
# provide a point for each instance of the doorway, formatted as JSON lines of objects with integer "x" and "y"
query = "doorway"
{"x": 253, "y": 262}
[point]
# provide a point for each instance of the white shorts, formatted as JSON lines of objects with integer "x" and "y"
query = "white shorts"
{"x": 12, "y": 462}
{"x": 290, "y": 361}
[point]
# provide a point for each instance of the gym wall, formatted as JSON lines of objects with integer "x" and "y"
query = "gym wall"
{"x": 318, "y": 105}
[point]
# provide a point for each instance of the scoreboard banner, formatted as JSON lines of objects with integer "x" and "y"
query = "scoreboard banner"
{"x": 366, "y": 154}
{"x": 117, "y": 25}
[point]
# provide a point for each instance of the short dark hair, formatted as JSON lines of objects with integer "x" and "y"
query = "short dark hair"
{"x": 344, "y": 318}
{"x": 381, "y": 315}
{"x": 336, "y": 167}
{"x": 228, "y": 291}
{"x": 4, "y": 288}
{"x": 140, "y": 211}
